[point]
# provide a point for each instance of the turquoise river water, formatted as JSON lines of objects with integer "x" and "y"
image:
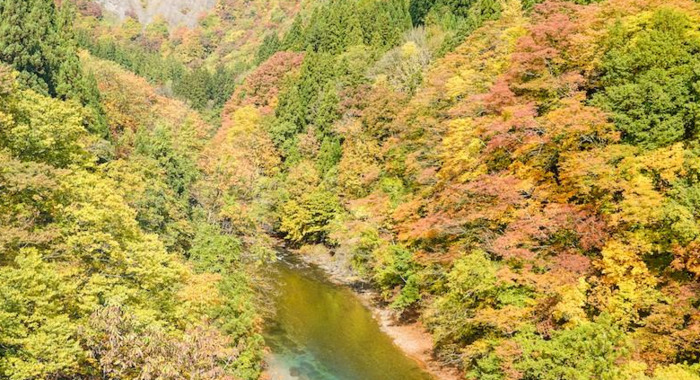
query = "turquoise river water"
{"x": 322, "y": 331}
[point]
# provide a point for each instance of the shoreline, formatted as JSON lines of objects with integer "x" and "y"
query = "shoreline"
{"x": 411, "y": 338}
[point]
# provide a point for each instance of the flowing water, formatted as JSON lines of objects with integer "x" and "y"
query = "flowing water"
{"x": 322, "y": 331}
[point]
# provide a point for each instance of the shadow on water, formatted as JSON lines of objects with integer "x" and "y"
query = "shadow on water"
{"x": 322, "y": 331}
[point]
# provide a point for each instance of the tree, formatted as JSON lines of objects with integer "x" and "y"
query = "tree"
{"x": 42, "y": 129}
{"x": 306, "y": 219}
{"x": 271, "y": 44}
{"x": 125, "y": 350}
{"x": 38, "y": 338}
{"x": 222, "y": 86}
{"x": 39, "y": 43}
{"x": 30, "y": 41}
{"x": 649, "y": 81}
{"x": 589, "y": 351}
{"x": 72, "y": 245}
{"x": 195, "y": 87}
{"x": 419, "y": 9}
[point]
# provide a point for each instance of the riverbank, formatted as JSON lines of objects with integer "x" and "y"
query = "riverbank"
{"x": 411, "y": 337}
{"x": 321, "y": 330}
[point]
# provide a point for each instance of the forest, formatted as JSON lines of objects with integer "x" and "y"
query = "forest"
{"x": 522, "y": 177}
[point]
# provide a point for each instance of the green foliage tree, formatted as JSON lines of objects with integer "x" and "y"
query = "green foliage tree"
{"x": 649, "y": 80}
{"x": 329, "y": 154}
{"x": 179, "y": 166}
{"x": 394, "y": 268}
{"x": 195, "y": 86}
{"x": 212, "y": 251}
{"x": 472, "y": 285}
{"x": 294, "y": 38}
{"x": 29, "y": 44}
{"x": 223, "y": 84}
{"x": 589, "y": 351}
{"x": 42, "y": 129}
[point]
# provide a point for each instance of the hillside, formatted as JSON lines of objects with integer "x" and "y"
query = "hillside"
{"x": 520, "y": 178}
{"x": 528, "y": 195}
{"x": 108, "y": 265}
{"x": 199, "y": 64}
{"x": 175, "y": 12}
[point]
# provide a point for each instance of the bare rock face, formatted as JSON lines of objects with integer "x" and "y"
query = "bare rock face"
{"x": 175, "y": 12}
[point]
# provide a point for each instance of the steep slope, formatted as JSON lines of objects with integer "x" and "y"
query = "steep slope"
{"x": 108, "y": 266}
{"x": 522, "y": 177}
{"x": 529, "y": 196}
{"x": 93, "y": 277}
{"x": 159, "y": 142}
{"x": 200, "y": 62}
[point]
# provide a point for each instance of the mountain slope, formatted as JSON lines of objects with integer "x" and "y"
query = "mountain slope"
{"x": 528, "y": 195}
{"x": 174, "y": 12}
{"x": 522, "y": 177}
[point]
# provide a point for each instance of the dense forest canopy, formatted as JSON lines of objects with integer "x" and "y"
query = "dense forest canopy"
{"x": 520, "y": 176}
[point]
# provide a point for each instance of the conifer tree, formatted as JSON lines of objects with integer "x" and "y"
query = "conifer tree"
{"x": 419, "y": 9}
{"x": 195, "y": 87}
{"x": 353, "y": 35}
{"x": 270, "y": 45}
{"x": 222, "y": 86}
{"x": 29, "y": 41}
{"x": 38, "y": 42}
{"x": 294, "y": 39}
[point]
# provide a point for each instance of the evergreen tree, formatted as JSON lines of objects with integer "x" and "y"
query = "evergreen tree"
{"x": 222, "y": 86}
{"x": 458, "y": 7}
{"x": 336, "y": 29}
{"x": 294, "y": 39}
{"x": 317, "y": 31}
{"x": 270, "y": 45}
{"x": 195, "y": 87}
{"x": 329, "y": 154}
{"x": 353, "y": 35}
{"x": 316, "y": 71}
{"x": 38, "y": 42}
{"x": 419, "y": 9}
{"x": 290, "y": 120}
{"x": 29, "y": 41}
{"x": 326, "y": 112}
{"x": 96, "y": 118}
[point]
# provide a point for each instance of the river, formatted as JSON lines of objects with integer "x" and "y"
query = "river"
{"x": 322, "y": 331}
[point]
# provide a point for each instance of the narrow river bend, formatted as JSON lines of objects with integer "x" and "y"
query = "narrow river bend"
{"x": 322, "y": 331}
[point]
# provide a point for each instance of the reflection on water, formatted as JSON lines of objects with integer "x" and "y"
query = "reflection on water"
{"x": 323, "y": 332}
